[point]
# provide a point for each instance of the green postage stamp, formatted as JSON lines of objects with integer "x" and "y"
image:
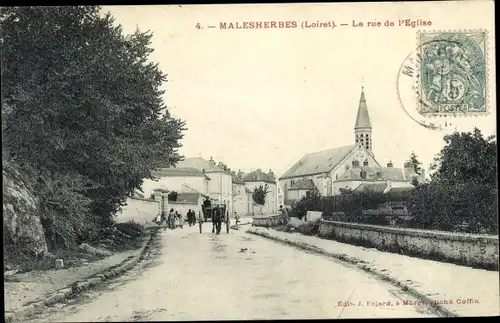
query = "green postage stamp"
{"x": 452, "y": 73}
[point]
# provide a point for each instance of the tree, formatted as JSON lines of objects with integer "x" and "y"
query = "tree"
{"x": 467, "y": 157}
{"x": 462, "y": 193}
{"x": 172, "y": 196}
{"x": 310, "y": 202}
{"x": 415, "y": 163}
{"x": 259, "y": 196}
{"x": 84, "y": 103}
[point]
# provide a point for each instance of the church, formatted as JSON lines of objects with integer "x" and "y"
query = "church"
{"x": 348, "y": 167}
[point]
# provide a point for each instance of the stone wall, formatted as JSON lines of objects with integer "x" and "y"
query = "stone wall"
{"x": 265, "y": 221}
{"x": 463, "y": 249}
{"x": 184, "y": 207}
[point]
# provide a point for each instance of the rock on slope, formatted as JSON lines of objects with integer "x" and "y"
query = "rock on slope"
{"x": 23, "y": 231}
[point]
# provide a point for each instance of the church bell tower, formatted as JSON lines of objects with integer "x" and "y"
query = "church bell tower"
{"x": 363, "y": 126}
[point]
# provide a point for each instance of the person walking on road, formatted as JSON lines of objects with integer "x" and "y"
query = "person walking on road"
{"x": 171, "y": 219}
{"x": 189, "y": 217}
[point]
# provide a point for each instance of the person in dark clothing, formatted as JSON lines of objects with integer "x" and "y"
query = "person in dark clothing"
{"x": 190, "y": 220}
{"x": 216, "y": 219}
{"x": 193, "y": 217}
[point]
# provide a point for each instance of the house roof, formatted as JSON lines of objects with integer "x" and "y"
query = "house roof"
{"x": 200, "y": 164}
{"x": 409, "y": 173}
{"x": 195, "y": 162}
{"x": 374, "y": 173}
{"x": 363, "y": 118}
{"x": 372, "y": 187}
{"x": 236, "y": 180}
{"x": 258, "y": 176}
{"x": 173, "y": 172}
{"x": 318, "y": 162}
{"x": 188, "y": 197}
{"x": 305, "y": 184}
{"x": 400, "y": 189}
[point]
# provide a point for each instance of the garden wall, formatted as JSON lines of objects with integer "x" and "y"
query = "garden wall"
{"x": 265, "y": 221}
{"x": 139, "y": 210}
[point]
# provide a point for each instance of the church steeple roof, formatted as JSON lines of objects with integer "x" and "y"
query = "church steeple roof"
{"x": 363, "y": 118}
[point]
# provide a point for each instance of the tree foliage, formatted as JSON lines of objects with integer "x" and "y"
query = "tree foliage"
{"x": 467, "y": 157}
{"x": 259, "y": 194}
{"x": 415, "y": 163}
{"x": 85, "y": 108}
{"x": 310, "y": 202}
{"x": 462, "y": 195}
{"x": 172, "y": 196}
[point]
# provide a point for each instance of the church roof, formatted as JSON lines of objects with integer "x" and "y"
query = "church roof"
{"x": 318, "y": 162}
{"x": 258, "y": 176}
{"x": 363, "y": 118}
{"x": 401, "y": 189}
{"x": 306, "y": 184}
{"x": 371, "y": 187}
{"x": 374, "y": 173}
{"x": 236, "y": 180}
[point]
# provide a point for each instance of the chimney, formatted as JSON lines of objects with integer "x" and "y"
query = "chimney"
{"x": 211, "y": 162}
{"x": 271, "y": 174}
{"x": 389, "y": 164}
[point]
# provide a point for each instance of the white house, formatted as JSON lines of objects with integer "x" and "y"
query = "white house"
{"x": 177, "y": 179}
{"x": 258, "y": 178}
{"x": 242, "y": 203}
{"x": 220, "y": 186}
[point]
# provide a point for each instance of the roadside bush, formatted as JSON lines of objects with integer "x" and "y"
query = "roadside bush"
{"x": 309, "y": 228}
{"x": 461, "y": 207}
{"x": 131, "y": 228}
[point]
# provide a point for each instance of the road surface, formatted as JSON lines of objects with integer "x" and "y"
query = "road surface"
{"x": 237, "y": 276}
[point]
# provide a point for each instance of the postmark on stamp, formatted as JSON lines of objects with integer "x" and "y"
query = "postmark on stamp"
{"x": 452, "y": 73}
{"x": 444, "y": 78}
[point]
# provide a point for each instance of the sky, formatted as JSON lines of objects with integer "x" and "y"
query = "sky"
{"x": 262, "y": 98}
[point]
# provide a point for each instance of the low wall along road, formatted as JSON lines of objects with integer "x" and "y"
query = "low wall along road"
{"x": 460, "y": 248}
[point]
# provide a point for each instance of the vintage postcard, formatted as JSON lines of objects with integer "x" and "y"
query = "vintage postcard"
{"x": 249, "y": 161}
